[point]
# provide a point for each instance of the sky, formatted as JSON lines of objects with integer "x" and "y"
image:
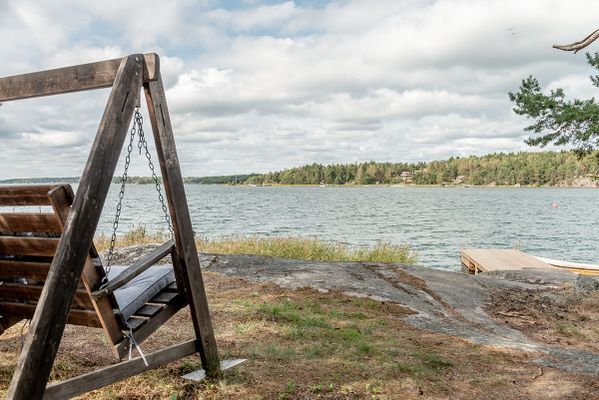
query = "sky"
{"x": 256, "y": 86}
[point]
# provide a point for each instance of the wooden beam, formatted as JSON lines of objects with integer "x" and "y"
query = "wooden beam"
{"x": 47, "y": 326}
{"x": 184, "y": 237}
{"x": 137, "y": 268}
{"x": 71, "y": 79}
{"x": 114, "y": 373}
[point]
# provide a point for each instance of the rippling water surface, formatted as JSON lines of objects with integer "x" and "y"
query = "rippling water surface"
{"x": 434, "y": 221}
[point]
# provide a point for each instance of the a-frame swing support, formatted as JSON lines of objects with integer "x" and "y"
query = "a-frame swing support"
{"x": 127, "y": 76}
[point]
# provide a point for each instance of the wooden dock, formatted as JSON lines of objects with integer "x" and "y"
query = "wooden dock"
{"x": 484, "y": 260}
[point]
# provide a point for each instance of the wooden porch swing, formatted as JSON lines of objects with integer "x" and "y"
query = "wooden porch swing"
{"x": 50, "y": 269}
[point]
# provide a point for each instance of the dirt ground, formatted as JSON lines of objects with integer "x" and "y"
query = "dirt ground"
{"x": 563, "y": 317}
{"x": 305, "y": 344}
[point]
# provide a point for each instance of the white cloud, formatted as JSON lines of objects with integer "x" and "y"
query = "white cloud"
{"x": 266, "y": 86}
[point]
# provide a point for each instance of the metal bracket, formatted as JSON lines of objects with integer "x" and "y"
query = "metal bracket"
{"x": 200, "y": 374}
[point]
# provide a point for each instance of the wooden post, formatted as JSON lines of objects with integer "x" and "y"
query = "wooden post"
{"x": 36, "y": 359}
{"x": 184, "y": 237}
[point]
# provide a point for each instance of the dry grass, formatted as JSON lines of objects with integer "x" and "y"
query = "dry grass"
{"x": 304, "y": 344}
{"x": 301, "y": 248}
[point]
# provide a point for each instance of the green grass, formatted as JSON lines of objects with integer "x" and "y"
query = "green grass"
{"x": 295, "y": 247}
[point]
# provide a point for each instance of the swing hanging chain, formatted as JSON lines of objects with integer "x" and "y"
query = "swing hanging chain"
{"x": 141, "y": 145}
{"x": 144, "y": 144}
{"x": 119, "y": 206}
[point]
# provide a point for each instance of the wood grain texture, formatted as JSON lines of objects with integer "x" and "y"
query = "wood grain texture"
{"x": 24, "y": 269}
{"x": 15, "y": 292}
{"x": 71, "y": 79}
{"x": 25, "y": 195}
{"x": 29, "y": 222}
{"x": 61, "y": 199}
{"x": 107, "y": 375}
{"x": 47, "y": 326}
{"x": 75, "y": 317}
{"x": 28, "y": 246}
{"x": 484, "y": 260}
{"x": 184, "y": 238}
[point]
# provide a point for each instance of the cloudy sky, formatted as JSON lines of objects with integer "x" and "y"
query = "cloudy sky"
{"x": 255, "y": 86}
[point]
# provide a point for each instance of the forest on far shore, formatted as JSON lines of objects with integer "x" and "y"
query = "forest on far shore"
{"x": 525, "y": 168}
{"x": 503, "y": 169}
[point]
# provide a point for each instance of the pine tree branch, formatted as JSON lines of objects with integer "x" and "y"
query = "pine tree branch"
{"x": 576, "y": 46}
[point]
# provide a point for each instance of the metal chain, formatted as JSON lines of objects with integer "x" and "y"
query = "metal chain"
{"x": 119, "y": 206}
{"x": 144, "y": 144}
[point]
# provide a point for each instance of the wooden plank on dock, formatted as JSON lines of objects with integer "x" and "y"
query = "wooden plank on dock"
{"x": 484, "y": 260}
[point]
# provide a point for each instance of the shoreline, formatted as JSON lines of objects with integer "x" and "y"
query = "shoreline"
{"x": 386, "y": 185}
{"x": 389, "y": 185}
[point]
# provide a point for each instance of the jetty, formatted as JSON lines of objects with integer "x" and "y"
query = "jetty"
{"x": 486, "y": 260}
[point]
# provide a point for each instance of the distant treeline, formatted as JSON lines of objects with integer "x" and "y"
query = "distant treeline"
{"x": 26, "y": 181}
{"x": 525, "y": 168}
{"x": 201, "y": 180}
{"x": 220, "y": 180}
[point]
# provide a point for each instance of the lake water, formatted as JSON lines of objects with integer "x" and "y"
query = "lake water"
{"x": 435, "y": 222}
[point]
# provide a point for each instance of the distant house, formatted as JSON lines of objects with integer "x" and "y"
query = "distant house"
{"x": 459, "y": 179}
{"x": 406, "y": 176}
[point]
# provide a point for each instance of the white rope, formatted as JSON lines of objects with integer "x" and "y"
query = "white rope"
{"x": 133, "y": 343}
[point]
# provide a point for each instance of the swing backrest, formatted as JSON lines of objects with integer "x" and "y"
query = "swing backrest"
{"x": 28, "y": 241}
{"x": 30, "y": 231}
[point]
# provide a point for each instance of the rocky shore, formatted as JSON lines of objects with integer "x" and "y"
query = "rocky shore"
{"x": 485, "y": 309}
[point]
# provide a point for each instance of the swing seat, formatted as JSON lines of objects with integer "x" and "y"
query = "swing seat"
{"x": 141, "y": 297}
{"x": 140, "y": 290}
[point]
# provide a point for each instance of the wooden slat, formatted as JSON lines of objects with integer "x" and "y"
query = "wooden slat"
{"x": 145, "y": 330}
{"x": 15, "y": 291}
{"x": 76, "y": 317}
{"x": 25, "y": 195}
{"x": 47, "y": 326}
{"x": 172, "y": 287}
{"x": 71, "y": 79}
{"x": 28, "y": 246}
{"x": 113, "y": 373}
{"x": 148, "y": 310}
{"x": 163, "y": 297}
{"x": 24, "y": 269}
{"x": 186, "y": 251}
{"x": 29, "y": 222}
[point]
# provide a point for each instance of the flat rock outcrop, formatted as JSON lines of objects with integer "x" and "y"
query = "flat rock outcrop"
{"x": 446, "y": 302}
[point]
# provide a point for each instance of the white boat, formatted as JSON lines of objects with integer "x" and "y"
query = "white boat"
{"x": 580, "y": 268}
